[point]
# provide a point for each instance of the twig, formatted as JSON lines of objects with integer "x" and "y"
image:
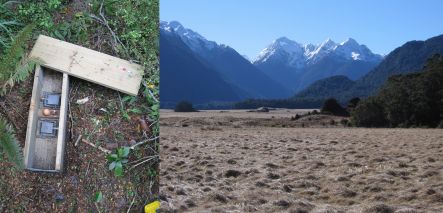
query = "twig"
{"x": 143, "y": 142}
{"x": 98, "y": 147}
{"x": 78, "y": 140}
{"x": 13, "y": 107}
{"x": 141, "y": 159}
{"x": 5, "y": 112}
{"x": 87, "y": 169}
{"x": 130, "y": 206}
{"x": 145, "y": 161}
{"x": 150, "y": 92}
{"x": 103, "y": 21}
{"x": 72, "y": 123}
{"x": 98, "y": 209}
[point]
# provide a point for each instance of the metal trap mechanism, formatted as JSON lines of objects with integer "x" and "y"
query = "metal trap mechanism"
{"x": 52, "y": 100}
{"x": 47, "y": 128}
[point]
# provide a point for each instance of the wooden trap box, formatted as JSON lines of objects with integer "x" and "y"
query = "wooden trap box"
{"x": 45, "y": 133}
{"x": 46, "y": 130}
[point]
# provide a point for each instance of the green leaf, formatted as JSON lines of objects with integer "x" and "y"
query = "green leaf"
{"x": 118, "y": 171}
{"x": 98, "y": 197}
{"x": 125, "y": 152}
{"x": 136, "y": 110}
{"x": 112, "y": 166}
{"x": 58, "y": 35}
{"x": 112, "y": 157}
{"x": 126, "y": 98}
{"x": 120, "y": 152}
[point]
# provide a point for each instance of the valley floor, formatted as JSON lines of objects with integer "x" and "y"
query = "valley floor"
{"x": 246, "y": 163}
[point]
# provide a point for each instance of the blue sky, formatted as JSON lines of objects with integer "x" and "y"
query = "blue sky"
{"x": 250, "y": 25}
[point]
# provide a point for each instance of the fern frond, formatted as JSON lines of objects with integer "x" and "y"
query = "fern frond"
{"x": 14, "y": 55}
{"x": 9, "y": 144}
{"x": 22, "y": 71}
{"x": 5, "y": 24}
{"x": 3, "y": 43}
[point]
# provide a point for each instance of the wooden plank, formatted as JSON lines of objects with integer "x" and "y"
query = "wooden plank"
{"x": 87, "y": 64}
{"x": 32, "y": 118}
{"x": 44, "y": 153}
{"x": 62, "y": 123}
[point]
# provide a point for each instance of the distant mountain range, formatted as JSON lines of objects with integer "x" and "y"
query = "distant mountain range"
{"x": 408, "y": 58}
{"x": 186, "y": 77}
{"x": 296, "y": 66}
{"x": 196, "y": 69}
{"x": 245, "y": 80}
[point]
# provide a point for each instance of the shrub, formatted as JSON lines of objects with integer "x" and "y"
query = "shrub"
{"x": 369, "y": 113}
{"x": 296, "y": 117}
{"x": 332, "y": 106}
{"x": 344, "y": 122}
{"x": 184, "y": 106}
{"x": 353, "y": 102}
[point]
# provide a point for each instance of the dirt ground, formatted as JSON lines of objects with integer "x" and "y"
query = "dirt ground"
{"x": 100, "y": 121}
{"x": 238, "y": 161}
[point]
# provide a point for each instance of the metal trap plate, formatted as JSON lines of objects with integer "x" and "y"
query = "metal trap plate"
{"x": 47, "y": 128}
{"x": 52, "y": 100}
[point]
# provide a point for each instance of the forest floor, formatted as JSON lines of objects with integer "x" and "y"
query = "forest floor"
{"x": 86, "y": 171}
{"x": 108, "y": 117}
{"x": 238, "y": 161}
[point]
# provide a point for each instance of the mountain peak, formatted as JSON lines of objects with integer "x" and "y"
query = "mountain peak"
{"x": 194, "y": 40}
{"x": 283, "y": 39}
{"x": 328, "y": 44}
{"x": 350, "y": 41}
{"x": 172, "y": 26}
{"x": 292, "y": 51}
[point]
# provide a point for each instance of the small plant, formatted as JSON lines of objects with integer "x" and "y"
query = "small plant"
{"x": 98, "y": 197}
{"x": 117, "y": 160}
{"x": 9, "y": 145}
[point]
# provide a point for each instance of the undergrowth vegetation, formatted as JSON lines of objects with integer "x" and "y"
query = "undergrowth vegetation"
{"x": 127, "y": 29}
{"x": 9, "y": 145}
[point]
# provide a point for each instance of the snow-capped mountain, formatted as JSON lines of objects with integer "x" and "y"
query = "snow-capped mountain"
{"x": 297, "y": 65}
{"x": 193, "y": 40}
{"x": 298, "y": 55}
{"x": 235, "y": 69}
{"x": 286, "y": 50}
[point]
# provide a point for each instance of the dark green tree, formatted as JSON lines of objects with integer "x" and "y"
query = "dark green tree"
{"x": 406, "y": 100}
{"x": 333, "y": 107}
{"x": 353, "y": 102}
{"x": 184, "y": 106}
{"x": 369, "y": 113}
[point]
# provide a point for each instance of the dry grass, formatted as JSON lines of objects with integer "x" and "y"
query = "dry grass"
{"x": 249, "y": 166}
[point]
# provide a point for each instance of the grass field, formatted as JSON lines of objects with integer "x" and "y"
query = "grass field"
{"x": 235, "y": 161}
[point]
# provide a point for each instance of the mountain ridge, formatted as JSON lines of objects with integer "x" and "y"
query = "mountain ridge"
{"x": 297, "y": 65}
{"x": 232, "y": 66}
{"x": 408, "y": 58}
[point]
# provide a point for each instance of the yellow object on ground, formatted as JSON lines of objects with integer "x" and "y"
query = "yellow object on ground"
{"x": 152, "y": 207}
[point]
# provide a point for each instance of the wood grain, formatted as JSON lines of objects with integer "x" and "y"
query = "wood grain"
{"x": 87, "y": 64}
